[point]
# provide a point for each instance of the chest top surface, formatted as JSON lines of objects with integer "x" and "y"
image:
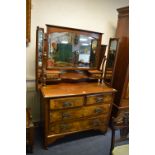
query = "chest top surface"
{"x": 71, "y": 89}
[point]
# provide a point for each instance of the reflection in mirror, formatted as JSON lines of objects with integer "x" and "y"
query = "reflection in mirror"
{"x": 40, "y": 46}
{"x": 111, "y": 57}
{"x": 66, "y": 49}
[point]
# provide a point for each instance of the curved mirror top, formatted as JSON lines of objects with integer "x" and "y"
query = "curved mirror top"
{"x": 66, "y": 49}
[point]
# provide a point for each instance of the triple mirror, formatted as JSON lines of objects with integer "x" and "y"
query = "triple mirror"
{"x": 71, "y": 48}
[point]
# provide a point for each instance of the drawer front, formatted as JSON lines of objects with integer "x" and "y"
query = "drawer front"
{"x": 96, "y": 75}
{"x": 68, "y": 102}
{"x": 65, "y": 127}
{"x": 66, "y": 114}
{"x": 95, "y": 122}
{"x": 99, "y": 99}
{"x": 77, "y": 125}
{"x": 52, "y": 76}
{"x": 97, "y": 110}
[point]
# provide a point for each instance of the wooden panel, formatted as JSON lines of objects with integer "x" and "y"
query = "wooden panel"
{"x": 70, "y": 89}
{"x": 68, "y": 102}
{"x": 122, "y": 62}
{"x": 99, "y": 99}
{"x": 66, "y": 114}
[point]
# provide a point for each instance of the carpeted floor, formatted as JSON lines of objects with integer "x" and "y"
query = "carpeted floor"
{"x": 85, "y": 143}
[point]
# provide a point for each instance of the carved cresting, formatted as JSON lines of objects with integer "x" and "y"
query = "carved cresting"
{"x": 44, "y": 75}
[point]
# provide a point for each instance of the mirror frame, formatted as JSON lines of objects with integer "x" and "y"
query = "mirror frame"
{"x": 96, "y": 35}
{"x": 113, "y": 67}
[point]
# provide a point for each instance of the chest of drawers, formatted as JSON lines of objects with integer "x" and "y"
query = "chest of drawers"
{"x": 68, "y": 108}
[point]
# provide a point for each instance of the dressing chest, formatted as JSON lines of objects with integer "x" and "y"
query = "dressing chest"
{"x": 73, "y": 98}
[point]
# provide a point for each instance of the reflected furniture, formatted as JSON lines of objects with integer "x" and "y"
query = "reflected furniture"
{"x": 29, "y": 131}
{"x": 68, "y": 77}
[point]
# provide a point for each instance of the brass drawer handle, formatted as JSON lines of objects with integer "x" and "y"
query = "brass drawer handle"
{"x": 99, "y": 99}
{"x": 96, "y": 123}
{"x": 67, "y": 104}
{"x": 65, "y": 115}
{"x": 98, "y": 110}
{"x": 64, "y": 127}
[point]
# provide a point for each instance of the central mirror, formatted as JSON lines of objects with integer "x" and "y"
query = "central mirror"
{"x": 68, "y": 49}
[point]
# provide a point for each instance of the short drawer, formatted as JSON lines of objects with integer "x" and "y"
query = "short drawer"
{"x": 96, "y": 110}
{"x": 68, "y": 102}
{"x": 96, "y": 75}
{"x": 52, "y": 76}
{"x": 99, "y": 99}
{"x": 66, "y": 114}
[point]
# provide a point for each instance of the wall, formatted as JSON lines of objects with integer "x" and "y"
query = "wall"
{"x": 94, "y": 15}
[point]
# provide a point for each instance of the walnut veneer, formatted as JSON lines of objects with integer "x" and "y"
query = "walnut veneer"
{"x": 68, "y": 108}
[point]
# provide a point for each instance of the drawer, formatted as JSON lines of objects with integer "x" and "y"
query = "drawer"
{"x": 66, "y": 114}
{"x": 68, "y": 102}
{"x": 53, "y": 76}
{"x": 99, "y": 99}
{"x": 78, "y": 125}
{"x": 95, "y": 122}
{"x": 65, "y": 127}
{"x": 96, "y": 75}
{"x": 97, "y": 110}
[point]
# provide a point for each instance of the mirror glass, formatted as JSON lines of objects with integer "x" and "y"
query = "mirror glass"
{"x": 40, "y": 47}
{"x": 66, "y": 49}
{"x": 112, "y": 51}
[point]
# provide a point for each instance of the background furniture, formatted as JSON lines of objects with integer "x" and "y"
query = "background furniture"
{"x": 68, "y": 73}
{"x": 118, "y": 126}
{"x": 121, "y": 70}
{"x": 29, "y": 131}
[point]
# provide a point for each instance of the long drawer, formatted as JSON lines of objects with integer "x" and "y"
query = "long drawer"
{"x": 78, "y": 125}
{"x": 99, "y": 99}
{"x": 68, "y": 102}
{"x": 67, "y": 114}
{"x": 81, "y": 112}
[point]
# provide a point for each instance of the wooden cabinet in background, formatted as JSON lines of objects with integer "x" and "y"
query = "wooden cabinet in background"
{"x": 121, "y": 70}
